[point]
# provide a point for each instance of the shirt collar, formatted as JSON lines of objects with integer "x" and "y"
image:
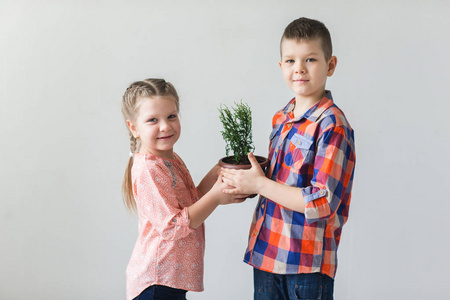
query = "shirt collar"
{"x": 315, "y": 111}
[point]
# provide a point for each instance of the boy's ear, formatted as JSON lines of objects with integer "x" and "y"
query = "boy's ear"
{"x": 332, "y": 62}
{"x": 132, "y": 128}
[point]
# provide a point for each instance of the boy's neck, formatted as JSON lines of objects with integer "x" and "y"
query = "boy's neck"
{"x": 302, "y": 105}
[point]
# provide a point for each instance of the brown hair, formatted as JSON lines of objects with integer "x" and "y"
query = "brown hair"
{"x": 152, "y": 87}
{"x": 309, "y": 29}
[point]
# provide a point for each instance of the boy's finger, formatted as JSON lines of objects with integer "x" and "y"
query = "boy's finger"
{"x": 227, "y": 191}
{"x": 228, "y": 181}
{"x": 253, "y": 159}
{"x": 228, "y": 171}
{"x": 232, "y": 191}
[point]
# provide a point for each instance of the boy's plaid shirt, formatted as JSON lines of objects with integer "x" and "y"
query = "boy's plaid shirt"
{"x": 315, "y": 153}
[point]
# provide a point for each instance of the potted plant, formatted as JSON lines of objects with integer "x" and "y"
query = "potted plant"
{"x": 237, "y": 134}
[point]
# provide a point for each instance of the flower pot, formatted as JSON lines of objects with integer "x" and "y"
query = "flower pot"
{"x": 227, "y": 162}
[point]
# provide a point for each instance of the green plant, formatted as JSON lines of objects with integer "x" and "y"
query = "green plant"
{"x": 237, "y": 131}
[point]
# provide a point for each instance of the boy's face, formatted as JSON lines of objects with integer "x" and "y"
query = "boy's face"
{"x": 305, "y": 69}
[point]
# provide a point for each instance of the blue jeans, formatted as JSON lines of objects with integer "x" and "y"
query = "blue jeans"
{"x": 269, "y": 286}
{"x": 161, "y": 292}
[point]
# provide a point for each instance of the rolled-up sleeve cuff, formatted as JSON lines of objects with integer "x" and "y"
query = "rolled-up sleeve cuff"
{"x": 316, "y": 204}
{"x": 312, "y": 193}
{"x": 182, "y": 219}
{"x": 177, "y": 227}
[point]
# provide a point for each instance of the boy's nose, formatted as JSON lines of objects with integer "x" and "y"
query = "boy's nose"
{"x": 300, "y": 69}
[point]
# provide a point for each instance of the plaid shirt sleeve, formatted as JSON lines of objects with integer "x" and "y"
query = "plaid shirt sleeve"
{"x": 333, "y": 170}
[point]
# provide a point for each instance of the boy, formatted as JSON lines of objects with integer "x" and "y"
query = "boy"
{"x": 305, "y": 194}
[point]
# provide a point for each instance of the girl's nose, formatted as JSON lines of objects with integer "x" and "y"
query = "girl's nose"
{"x": 164, "y": 126}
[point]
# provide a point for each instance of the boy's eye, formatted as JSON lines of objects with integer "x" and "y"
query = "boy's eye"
{"x": 152, "y": 120}
{"x": 172, "y": 116}
{"x": 290, "y": 61}
{"x": 310, "y": 59}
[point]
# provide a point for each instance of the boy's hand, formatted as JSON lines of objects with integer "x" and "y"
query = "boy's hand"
{"x": 223, "y": 198}
{"x": 244, "y": 181}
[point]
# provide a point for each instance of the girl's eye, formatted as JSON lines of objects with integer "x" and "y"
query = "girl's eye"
{"x": 290, "y": 61}
{"x": 172, "y": 116}
{"x": 152, "y": 120}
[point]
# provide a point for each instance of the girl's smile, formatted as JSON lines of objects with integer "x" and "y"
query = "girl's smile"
{"x": 165, "y": 137}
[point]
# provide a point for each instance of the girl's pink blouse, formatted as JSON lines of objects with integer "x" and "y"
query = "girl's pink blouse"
{"x": 167, "y": 251}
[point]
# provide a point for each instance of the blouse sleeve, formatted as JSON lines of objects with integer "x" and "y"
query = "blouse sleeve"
{"x": 157, "y": 202}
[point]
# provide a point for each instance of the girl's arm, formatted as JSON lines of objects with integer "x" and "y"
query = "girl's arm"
{"x": 156, "y": 195}
{"x": 200, "y": 210}
{"x": 209, "y": 180}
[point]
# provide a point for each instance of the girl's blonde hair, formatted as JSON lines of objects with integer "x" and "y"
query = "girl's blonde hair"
{"x": 152, "y": 87}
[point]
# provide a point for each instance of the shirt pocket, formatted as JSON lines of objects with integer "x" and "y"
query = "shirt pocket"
{"x": 302, "y": 149}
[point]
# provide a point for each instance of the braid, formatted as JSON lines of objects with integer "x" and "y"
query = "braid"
{"x": 133, "y": 143}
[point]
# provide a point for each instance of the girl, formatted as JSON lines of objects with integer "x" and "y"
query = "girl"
{"x": 167, "y": 260}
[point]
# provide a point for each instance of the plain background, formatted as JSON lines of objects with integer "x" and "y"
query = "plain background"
{"x": 64, "y": 231}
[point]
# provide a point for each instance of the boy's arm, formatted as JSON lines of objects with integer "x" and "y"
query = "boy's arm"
{"x": 253, "y": 181}
{"x": 332, "y": 181}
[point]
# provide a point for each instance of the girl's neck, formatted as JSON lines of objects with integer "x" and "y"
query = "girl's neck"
{"x": 168, "y": 155}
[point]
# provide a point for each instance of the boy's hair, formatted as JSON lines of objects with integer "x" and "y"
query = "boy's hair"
{"x": 309, "y": 29}
{"x": 151, "y": 87}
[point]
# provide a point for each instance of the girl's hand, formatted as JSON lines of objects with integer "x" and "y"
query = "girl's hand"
{"x": 244, "y": 181}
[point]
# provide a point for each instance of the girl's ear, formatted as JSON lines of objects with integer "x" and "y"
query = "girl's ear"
{"x": 133, "y": 129}
{"x": 332, "y": 62}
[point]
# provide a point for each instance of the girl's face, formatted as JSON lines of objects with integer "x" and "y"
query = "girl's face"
{"x": 157, "y": 126}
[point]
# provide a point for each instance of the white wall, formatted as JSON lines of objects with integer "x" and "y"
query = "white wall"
{"x": 65, "y": 64}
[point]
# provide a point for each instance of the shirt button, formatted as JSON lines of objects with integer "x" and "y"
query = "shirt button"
{"x": 322, "y": 192}
{"x": 174, "y": 220}
{"x": 262, "y": 206}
